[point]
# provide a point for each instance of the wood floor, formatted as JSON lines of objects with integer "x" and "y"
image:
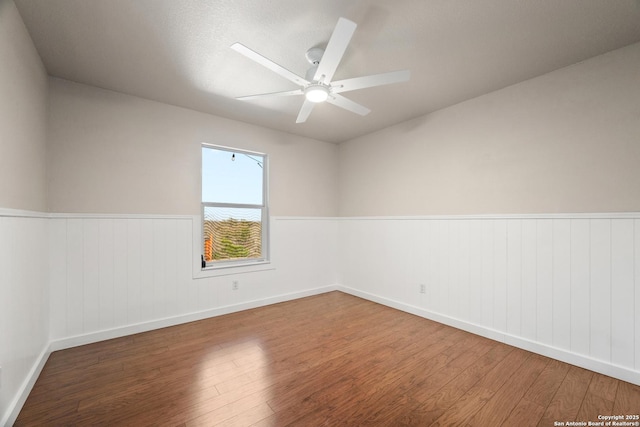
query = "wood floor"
{"x": 327, "y": 360}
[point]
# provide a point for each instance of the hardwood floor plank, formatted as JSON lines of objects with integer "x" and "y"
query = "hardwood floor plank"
{"x": 525, "y": 414}
{"x": 464, "y": 408}
{"x": 393, "y": 376}
{"x": 247, "y": 418}
{"x": 497, "y": 410}
{"x": 599, "y": 399}
{"x": 331, "y": 359}
{"x": 547, "y": 384}
{"x": 627, "y": 399}
{"x": 232, "y": 410}
{"x": 448, "y": 385}
{"x": 479, "y": 395}
{"x": 320, "y": 406}
{"x": 198, "y": 403}
{"x": 452, "y": 358}
{"x": 567, "y": 401}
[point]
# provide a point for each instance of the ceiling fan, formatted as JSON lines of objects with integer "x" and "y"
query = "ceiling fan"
{"x": 317, "y": 86}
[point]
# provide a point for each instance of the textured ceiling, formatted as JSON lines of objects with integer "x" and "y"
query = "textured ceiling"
{"x": 177, "y": 51}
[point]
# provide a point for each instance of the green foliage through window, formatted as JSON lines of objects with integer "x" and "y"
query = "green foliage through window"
{"x": 232, "y": 239}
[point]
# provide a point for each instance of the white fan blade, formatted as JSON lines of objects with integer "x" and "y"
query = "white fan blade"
{"x": 370, "y": 81}
{"x": 335, "y": 50}
{"x": 305, "y": 111}
{"x": 265, "y": 62}
{"x": 348, "y": 104}
{"x": 264, "y": 95}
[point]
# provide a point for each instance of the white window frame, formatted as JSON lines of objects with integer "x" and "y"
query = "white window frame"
{"x": 265, "y": 249}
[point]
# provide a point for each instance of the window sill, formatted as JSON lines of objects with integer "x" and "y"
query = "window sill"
{"x": 229, "y": 269}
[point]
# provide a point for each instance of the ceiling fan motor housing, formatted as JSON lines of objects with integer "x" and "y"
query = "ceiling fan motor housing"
{"x": 314, "y": 55}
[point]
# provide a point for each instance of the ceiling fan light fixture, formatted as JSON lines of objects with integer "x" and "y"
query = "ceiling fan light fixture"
{"x": 316, "y": 93}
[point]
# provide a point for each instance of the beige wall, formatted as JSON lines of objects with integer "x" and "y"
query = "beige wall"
{"x": 568, "y": 141}
{"x": 24, "y": 287}
{"x": 114, "y": 153}
{"x": 23, "y": 116}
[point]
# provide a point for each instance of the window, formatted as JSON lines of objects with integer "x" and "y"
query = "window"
{"x": 235, "y": 213}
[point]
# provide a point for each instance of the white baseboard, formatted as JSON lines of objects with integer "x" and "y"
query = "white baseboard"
{"x": 92, "y": 337}
{"x": 615, "y": 371}
{"x": 10, "y": 416}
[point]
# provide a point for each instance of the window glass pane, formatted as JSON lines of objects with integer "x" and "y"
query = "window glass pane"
{"x": 232, "y": 233}
{"x": 229, "y": 177}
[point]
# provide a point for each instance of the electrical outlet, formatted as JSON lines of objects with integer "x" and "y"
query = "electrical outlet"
{"x": 423, "y": 288}
{"x": 235, "y": 285}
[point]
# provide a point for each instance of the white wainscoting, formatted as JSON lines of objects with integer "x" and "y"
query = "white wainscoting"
{"x": 567, "y": 286}
{"x": 24, "y": 309}
{"x": 115, "y": 275}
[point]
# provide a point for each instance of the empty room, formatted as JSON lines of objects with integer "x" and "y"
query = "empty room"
{"x": 293, "y": 213}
